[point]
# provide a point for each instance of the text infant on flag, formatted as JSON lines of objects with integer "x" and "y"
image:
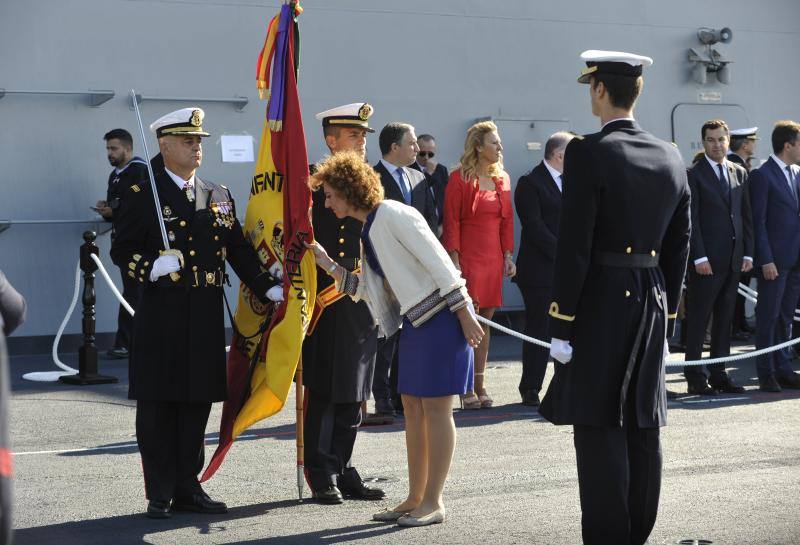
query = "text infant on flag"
{"x": 261, "y": 367}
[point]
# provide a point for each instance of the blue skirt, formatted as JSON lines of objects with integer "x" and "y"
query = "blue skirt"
{"x": 435, "y": 359}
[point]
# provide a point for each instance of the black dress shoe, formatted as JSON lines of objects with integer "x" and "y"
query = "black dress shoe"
{"x": 530, "y": 398}
{"x": 769, "y": 384}
{"x": 384, "y": 407}
{"x": 158, "y": 509}
{"x": 792, "y": 382}
{"x": 199, "y": 502}
{"x": 364, "y": 492}
{"x": 701, "y": 389}
{"x": 726, "y": 386}
{"x": 330, "y": 495}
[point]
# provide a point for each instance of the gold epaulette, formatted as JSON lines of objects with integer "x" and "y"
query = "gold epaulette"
{"x": 555, "y": 314}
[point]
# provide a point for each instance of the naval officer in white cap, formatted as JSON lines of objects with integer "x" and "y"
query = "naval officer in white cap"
{"x": 620, "y": 259}
{"x": 177, "y": 361}
{"x": 743, "y": 146}
{"x": 339, "y": 355}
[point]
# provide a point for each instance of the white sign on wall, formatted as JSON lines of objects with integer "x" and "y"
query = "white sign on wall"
{"x": 237, "y": 148}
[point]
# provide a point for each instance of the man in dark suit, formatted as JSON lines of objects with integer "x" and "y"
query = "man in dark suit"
{"x": 339, "y": 355}
{"x": 623, "y": 241}
{"x": 537, "y": 199}
{"x": 177, "y": 363}
{"x": 398, "y": 145}
{"x": 774, "y": 196}
{"x": 435, "y": 172}
{"x": 721, "y": 248}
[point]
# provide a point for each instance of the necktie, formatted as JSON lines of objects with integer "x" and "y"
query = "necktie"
{"x": 791, "y": 181}
{"x": 560, "y": 182}
{"x": 722, "y": 175}
{"x": 188, "y": 188}
{"x": 404, "y": 186}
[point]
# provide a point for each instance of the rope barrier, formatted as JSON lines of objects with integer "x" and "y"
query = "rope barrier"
{"x": 111, "y": 285}
{"x": 53, "y": 376}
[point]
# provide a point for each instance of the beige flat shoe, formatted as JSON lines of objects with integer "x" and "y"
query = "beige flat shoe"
{"x": 426, "y": 520}
{"x": 387, "y": 515}
{"x": 470, "y": 401}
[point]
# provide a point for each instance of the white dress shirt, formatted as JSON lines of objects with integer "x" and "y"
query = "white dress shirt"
{"x": 554, "y": 173}
{"x": 783, "y": 166}
{"x": 393, "y": 171}
{"x": 617, "y": 119}
{"x": 180, "y": 182}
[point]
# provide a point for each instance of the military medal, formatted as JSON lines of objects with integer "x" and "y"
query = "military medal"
{"x": 171, "y": 236}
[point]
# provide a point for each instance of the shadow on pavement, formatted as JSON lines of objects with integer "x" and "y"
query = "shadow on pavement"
{"x": 137, "y": 529}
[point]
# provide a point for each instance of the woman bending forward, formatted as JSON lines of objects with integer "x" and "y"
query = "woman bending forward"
{"x": 407, "y": 278}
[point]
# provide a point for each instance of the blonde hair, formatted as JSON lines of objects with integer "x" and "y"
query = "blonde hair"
{"x": 469, "y": 161}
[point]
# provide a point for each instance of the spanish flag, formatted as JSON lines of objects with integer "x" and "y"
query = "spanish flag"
{"x": 261, "y": 366}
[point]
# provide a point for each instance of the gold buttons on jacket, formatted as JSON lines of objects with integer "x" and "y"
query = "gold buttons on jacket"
{"x": 194, "y": 268}
{"x": 628, "y": 250}
{"x": 653, "y": 253}
{"x": 190, "y": 237}
{"x": 182, "y": 223}
{"x": 216, "y": 237}
{"x": 627, "y": 293}
{"x": 192, "y": 252}
{"x": 341, "y": 241}
{"x": 341, "y": 254}
{"x": 341, "y": 227}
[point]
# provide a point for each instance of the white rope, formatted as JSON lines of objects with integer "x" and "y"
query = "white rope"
{"x": 111, "y": 285}
{"x": 52, "y": 376}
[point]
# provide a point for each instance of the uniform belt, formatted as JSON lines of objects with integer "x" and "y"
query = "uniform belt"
{"x": 349, "y": 263}
{"x": 206, "y": 279}
{"x": 627, "y": 261}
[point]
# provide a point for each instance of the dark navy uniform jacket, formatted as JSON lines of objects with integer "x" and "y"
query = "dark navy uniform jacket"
{"x": 178, "y": 346}
{"x": 339, "y": 356}
{"x": 620, "y": 261}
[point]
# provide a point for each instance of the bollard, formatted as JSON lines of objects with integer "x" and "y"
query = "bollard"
{"x": 87, "y": 353}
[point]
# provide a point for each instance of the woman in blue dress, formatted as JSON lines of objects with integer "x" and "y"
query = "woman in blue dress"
{"x": 407, "y": 278}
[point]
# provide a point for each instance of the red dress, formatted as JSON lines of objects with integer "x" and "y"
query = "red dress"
{"x": 479, "y": 225}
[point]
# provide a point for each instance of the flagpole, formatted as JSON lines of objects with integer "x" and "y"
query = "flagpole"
{"x": 298, "y": 377}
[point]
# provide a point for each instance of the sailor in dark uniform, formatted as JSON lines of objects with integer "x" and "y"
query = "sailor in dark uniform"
{"x": 128, "y": 170}
{"x": 177, "y": 363}
{"x": 741, "y": 152}
{"x": 339, "y": 355}
{"x": 620, "y": 260}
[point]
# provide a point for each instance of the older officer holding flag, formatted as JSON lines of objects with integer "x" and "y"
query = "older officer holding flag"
{"x": 177, "y": 365}
{"x": 620, "y": 260}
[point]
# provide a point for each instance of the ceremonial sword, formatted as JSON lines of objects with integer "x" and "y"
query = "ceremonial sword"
{"x": 175, "y": 276}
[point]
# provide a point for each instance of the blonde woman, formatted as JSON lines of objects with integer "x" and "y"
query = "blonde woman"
{"x": 479, "y": 234}
{"x": 407, "y": 278}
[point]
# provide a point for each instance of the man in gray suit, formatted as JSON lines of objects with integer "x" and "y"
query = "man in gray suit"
{"x": 399, "y": 149}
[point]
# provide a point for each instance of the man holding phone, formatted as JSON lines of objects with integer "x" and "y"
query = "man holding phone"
{"x": 128, "y": 170}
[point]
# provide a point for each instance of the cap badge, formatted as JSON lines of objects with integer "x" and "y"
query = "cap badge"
{"x": 197, "y": 118}
{"x": 364, "y": 112}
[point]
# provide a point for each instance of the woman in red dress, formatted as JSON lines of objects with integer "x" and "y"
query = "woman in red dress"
{"x": 479, "y": 234}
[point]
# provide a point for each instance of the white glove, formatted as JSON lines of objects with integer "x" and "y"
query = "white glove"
{"x": 163, "y": 265}
{"x": 560, "y": 350}
{"x": 666, "y": 350}
{"x": 276, "y": 270}
{"x": 275, "y": 293}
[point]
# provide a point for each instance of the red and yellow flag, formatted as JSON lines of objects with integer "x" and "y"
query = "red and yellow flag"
{"x": 277, "y": 223}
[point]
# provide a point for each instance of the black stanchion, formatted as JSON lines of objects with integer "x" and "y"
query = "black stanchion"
{"x": 87, "y": 353}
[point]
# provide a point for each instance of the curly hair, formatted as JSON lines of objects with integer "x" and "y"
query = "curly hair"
{"x": 351, "y": 177}
{"x": 469, "y": 161}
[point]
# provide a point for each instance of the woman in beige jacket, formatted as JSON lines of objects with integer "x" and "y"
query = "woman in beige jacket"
{"x": 407, "y": 278}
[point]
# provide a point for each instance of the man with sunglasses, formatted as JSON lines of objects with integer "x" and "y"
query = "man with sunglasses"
{"x": 435, "y": 173}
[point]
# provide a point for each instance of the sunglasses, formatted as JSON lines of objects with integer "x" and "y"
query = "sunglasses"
{"x": 428, "y": 154}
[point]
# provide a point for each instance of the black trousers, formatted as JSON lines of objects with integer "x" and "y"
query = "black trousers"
{"x": 619, "y": 476}
{"x": 534, "y": 358}
{"x": 329, "y": 435}
{"x": 130, "y": 292}
{"x": 171, "y": 438}
{"x": 715, "y": 294}
{"x": 384, "y": 381}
